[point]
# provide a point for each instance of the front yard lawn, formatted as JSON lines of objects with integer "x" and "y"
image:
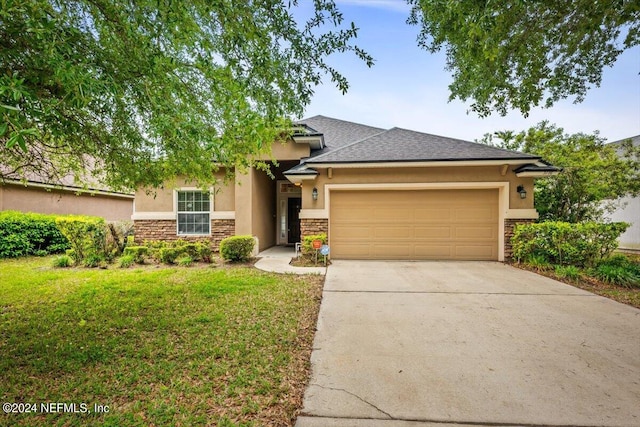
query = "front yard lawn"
{"x": 157, "y": 346}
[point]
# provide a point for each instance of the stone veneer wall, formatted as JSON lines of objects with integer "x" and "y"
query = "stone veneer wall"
{"x": 509, "y": 225}
{"x": 161, "y": 229}
{"x": 309, "y": 227}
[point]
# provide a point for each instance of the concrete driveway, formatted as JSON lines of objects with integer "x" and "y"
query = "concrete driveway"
{"x": 427, "y": 343}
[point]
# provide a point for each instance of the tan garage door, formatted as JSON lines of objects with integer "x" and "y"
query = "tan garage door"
{"x": 414, "y": 224}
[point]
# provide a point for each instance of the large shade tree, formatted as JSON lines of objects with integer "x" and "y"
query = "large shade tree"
{"x": 595, "y": 175}
{"x": 140, "y": 90}
{"x": 517, "y": 54}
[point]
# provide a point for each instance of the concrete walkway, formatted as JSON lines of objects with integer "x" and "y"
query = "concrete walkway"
{"x": 404, "y": 344}
{"x": 277, "y": 260}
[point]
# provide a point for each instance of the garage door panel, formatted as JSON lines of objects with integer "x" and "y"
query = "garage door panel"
{"x": 434, "y": 251}
{"x": 414, "y": 224}
{"x": 478, "y": 232}
{"x": 352, "y": 232}
{"x": 479, "y": 252}
{"x": 351, "y": 251}
{"x": 432, "y": 215}
{"x": 442, "y": 232}
{"x": 474, "y": 215}
{"x": 393, "y": 233}
{"x": 352, "y": 213}
{"x": 395, "y": 251}
{"x": 390, "y": 213}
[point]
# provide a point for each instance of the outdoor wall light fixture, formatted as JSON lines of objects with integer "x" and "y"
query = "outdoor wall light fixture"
{"x": 522, "y": 191}
{"x": 314, "y": 193}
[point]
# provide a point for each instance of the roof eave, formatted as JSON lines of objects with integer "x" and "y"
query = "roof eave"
{"x": 421, "y": 163}
{"x": 537, "y": 174}
{"x": 315, "y": 141}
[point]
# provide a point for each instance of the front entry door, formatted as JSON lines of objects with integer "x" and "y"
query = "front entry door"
{"x": 293, "y": 219}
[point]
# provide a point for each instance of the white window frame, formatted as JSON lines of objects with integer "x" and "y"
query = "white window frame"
{"x": 178, "y": 212}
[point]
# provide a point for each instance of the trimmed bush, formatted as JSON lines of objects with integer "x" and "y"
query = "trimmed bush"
{"x": 237, "y": 248}
{"x": 169, "y": 255}
{"x": 126, "y": 261}
{"x": 86, "y": 236}
{"x": 24, "y": 234}
{"x": 563, "y": 243}
{"x": 137, "y": 253}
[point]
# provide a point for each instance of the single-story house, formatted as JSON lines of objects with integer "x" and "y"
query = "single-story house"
{"x": 629, "y": 212}
{"x": 377, "y": 193}
{"x": 37, "y": 194}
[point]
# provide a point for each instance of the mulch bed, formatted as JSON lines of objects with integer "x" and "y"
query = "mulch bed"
{"x": 629, "y": 296}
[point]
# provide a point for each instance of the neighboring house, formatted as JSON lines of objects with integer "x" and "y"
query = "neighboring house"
{"x": 36, "y": 195}
{"x": 629, "y": 212}
{"x": 378, "y": 194}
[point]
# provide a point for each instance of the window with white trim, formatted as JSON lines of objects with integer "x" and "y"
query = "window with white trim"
{"x": 194, "y": 209}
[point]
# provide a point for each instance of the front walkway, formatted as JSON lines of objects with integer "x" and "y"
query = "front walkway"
{"x": 276, "y": 259}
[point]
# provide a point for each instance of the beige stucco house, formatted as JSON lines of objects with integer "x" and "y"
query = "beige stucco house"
{"x": 378, "y": 194}
{"x": 38, "y": 195}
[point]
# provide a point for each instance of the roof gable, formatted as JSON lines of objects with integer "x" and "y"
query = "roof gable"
{"x": 338, "y": 133}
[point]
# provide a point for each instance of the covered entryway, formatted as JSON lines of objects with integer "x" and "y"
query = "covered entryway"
{"x": 461, "y": 224}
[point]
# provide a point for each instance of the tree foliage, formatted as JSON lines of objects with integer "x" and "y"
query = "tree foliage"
{"x": 138, "y": 91}
{"x": 508, "y": 55}
{"x": 595, "y": 175}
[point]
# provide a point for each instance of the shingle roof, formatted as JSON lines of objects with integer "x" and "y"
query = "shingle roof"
{"x": 338, "y": 133}
{"x": 402, "y": 145}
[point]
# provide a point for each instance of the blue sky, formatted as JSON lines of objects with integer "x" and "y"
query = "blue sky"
{"x": 408, "y": 86}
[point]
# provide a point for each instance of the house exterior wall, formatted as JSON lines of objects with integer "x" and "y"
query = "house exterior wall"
{"x": 417, "y": 175}
{"x": 34, "y": 199}
{"x": 630, "y": 239}
{"x": 162, "y": 199}
{"x": 154, "y": 217}
{"x": 287, "y": 151}
{"x": 512, "y": 209}
{"x": 263, "y": 218}
{"x": 166, "y": 230}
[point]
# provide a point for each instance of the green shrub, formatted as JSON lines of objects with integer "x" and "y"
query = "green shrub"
{"x": 29, "y": 234}
{"x": 308, "y": 253}
{"x": 538, "y": 262}
{"x": 86, "y": 236}
{"x": 616, "y": 275}
{"x": 617, "y": 260}
{"x": 237, "y": 248}
{"x": 185, "y": 261}
{"x": 307, "y": 241}
{"x": 618, "y": 270}
{"x": 126, "y": 261}
{"x": 562, "y": 243}
{"x": 138, "y": 253}
{"x": 93, "y": 260}
{"x": 169, "y": 255}
{"x": 62, "y": 261}
{"x": 203, "y": 251}
{"x": 570, "y": 272}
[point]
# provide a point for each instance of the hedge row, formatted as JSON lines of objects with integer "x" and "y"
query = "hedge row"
{"x": 24, "y": 234}
{"x": 563, "y": 243}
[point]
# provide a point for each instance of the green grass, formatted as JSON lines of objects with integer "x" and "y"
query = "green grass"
{"x": 159, "y": 346}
